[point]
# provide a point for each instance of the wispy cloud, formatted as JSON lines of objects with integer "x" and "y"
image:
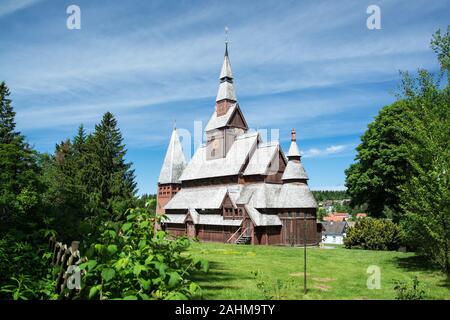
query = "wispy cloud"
{"x": 328, "y": 151}
{"x": 338, "y": 187}
{"x": 11, "y": 6}
{"x": 309, "y": 65}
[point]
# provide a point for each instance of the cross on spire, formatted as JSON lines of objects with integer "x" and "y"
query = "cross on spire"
{"x": 226, "y": 88}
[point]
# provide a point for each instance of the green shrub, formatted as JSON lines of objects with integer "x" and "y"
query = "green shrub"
{"x": 25, "y": 270}
{"x": 406, "y": 292}
{"x": 373, "y": 234}
{"x": 132, "y": 261}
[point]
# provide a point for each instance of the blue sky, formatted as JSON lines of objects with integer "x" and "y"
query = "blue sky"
{"x": 312, "y": 65}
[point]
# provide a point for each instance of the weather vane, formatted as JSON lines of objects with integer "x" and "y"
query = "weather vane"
{"x": 226, "y": 34}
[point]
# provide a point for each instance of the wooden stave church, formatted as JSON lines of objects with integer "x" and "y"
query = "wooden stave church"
{"x": 236, "y": 188}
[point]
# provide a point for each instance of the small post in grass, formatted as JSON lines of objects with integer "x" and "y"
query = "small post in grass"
{"x": 304, "y": 254}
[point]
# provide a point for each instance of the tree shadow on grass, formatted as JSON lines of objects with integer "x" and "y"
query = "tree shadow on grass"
{"x": 421, "y": 264}
{"x": 217, "y": 277}
{"x": 415, "y": 263}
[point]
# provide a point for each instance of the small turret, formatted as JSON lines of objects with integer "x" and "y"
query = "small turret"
{"x": 294, "y": 171}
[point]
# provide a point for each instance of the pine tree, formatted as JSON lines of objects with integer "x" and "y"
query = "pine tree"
{"x": 79, "y": 141}
{"x": 7, "y": 114}
{"x": 111, "y": 179}
{"x": 19, "y": 181}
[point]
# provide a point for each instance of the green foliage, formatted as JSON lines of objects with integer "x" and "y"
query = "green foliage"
{"x": 147, "y": 198}
{"x": 25, "y": 271}
{"x": 406, "y": 292}
{"x": 88, "y": 180}
{"x": 373, "y": 234}
{"x": 425, "y": 198}
{"x": 131, "y": 260}
{"x": 321, "y": 195}
{"x": 19, "y": 173}
{"x": 381, "y": 166}
{"x": 440, "y": 43}
{"x": 111, "y": 181}
{"x": 271, "y": 290}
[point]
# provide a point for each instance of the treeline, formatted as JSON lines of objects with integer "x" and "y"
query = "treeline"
{"x": 321, "y": 195}
{"x": 70, "y": 194}
{"x": 402, "y": 165}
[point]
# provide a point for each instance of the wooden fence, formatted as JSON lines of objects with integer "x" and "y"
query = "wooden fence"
{"x": 63, "y": 257}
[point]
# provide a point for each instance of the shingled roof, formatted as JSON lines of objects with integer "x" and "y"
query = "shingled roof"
{"x": 261, "y": 219}
{"x": 263, "y": 156}
{"x": 334, "y": 227}
{"x": 174, "y": 161}
{"x": 294, "y": 171}
{"x": 199, "y": 167}
{"x": 198, "y": 198}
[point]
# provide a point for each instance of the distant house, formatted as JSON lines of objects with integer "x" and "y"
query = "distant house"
{"x": 361, "y": 215}
{"x": 333, "y": 232}
{"x": 337, "y": 216}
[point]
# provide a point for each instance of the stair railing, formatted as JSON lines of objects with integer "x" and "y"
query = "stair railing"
{"x": 240, "y": 236}
{"x": 234, "y": 234}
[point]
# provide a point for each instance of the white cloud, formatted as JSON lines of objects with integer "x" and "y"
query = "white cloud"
{"x": 75, "y": 77}
{"x": 338, "y": 187}
{"x": 331, "y": 150}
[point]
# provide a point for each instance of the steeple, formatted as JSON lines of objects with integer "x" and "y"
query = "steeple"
{"x": 174, "y": 161}
{"x": 226, "y": 89}
{"x": 294, "y": 171}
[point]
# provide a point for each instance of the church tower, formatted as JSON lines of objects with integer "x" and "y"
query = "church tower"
{"x": 227, "y": 121}
{"x": 173, "y": 166}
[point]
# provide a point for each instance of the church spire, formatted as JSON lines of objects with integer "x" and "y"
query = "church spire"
{"x": 226, "y": 87}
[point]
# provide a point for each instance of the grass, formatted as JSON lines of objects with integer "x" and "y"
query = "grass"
{"x": 337, "y": 273}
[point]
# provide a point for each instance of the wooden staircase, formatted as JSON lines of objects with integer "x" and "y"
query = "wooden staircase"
{"x": 242, "y": 238}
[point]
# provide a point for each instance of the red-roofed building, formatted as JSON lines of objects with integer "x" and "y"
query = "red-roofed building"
{"x": 361, "y": 215}
{"x": 337, "y": 217}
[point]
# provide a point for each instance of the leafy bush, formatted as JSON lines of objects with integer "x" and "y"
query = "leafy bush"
{"x": 25, "y": 271}
{"x": 133, "y": 261}
{"x": 406, "y": 292}
{"x": 373, "y": 234}
{"x": 272, "y": 290}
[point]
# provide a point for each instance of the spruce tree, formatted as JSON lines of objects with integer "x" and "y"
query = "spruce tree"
{"x": 19, "y": 181}
{"x": 112, "y": 186}
{"x": 7, "y": 114}
{"x": 79, "y": 141}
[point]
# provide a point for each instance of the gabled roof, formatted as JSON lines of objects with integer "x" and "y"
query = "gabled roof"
{"x": 194, "y": 215}
{"x": 334, "y": 228}
{"x": 200, "y": 168}
{"x": 263, "y": 156}
{"x": 174, "y": 161}
{"x": 294, "y": 171}
{"x": 216, "y": 122}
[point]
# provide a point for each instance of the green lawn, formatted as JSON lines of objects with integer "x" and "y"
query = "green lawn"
{"x": 331, "y": 273}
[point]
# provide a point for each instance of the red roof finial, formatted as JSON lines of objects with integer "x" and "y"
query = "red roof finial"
{"x": 293, "y": 135}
